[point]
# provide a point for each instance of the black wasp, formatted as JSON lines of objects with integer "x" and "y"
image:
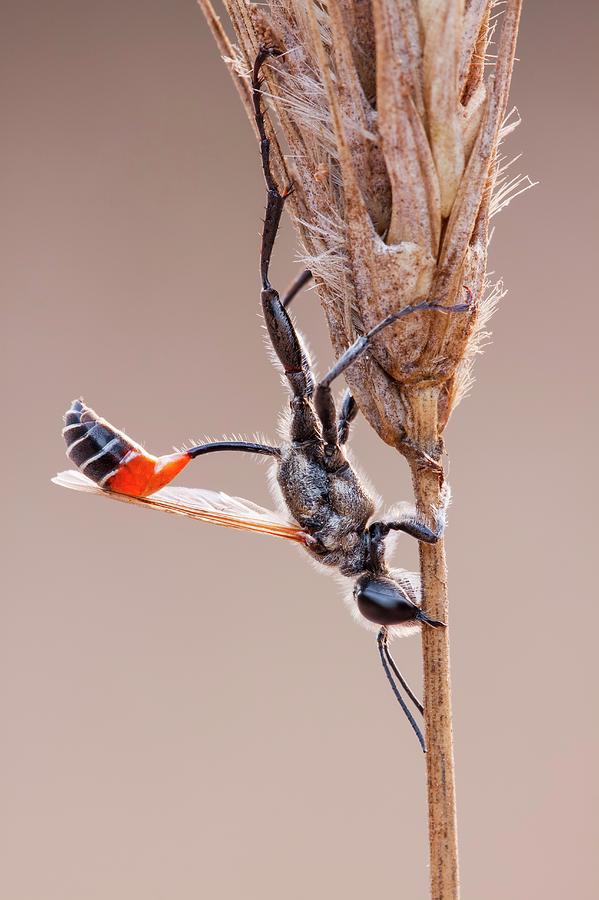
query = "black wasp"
{"x": 330, "y": 508}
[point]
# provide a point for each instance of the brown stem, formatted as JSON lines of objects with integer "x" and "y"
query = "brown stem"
{"x": 442, "y": 818}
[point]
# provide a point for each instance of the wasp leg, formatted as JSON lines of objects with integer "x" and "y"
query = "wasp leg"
{"x": 382, "y": 644}
{"x": 349, "y": 411}
{"x": 349, "y": 407}
{"x": 282, "y": 333}
{"x": 275, "y": 200}
{"x": 287, "y": 345}
{"x": 323, "y": 398}
{"x": 362, "y": 343}
{"x": 415, "y": 527}
{"x": 295, "y": 287}
{"x": 245, "y": 446}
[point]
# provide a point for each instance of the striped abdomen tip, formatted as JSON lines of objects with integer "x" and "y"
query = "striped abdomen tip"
{"x": 112, "y": 459}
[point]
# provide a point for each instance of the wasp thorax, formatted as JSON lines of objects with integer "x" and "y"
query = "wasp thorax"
{"x": 381, "y": 600}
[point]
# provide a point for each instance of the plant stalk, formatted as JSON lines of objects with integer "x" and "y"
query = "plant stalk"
{"x": 442, "y": 815}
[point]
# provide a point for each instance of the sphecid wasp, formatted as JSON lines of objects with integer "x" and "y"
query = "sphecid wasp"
{"x": 331, "y": 512}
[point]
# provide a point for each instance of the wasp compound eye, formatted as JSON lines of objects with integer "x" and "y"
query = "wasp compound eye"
{"x": 381, "y": 600}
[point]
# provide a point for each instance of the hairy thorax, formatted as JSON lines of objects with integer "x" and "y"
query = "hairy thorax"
{"x": 326, "y": 498}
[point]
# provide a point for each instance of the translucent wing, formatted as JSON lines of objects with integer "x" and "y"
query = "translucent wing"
{"x": 410, "y": 583}
{"x": 196, "y": 503}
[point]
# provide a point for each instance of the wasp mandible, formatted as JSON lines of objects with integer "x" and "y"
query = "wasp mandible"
{"x": 331, "y": 510}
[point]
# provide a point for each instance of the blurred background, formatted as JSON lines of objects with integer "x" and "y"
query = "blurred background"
{"x": 190, "y": 712}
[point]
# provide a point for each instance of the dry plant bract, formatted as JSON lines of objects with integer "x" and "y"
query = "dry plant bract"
{"x": 389, "y": 115}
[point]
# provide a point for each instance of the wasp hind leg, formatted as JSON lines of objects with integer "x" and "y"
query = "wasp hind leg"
{"x": 275, "y": 200}
{"x": 349, "y": 407}
{"x": 283, "y": 336}
{"x": 282, "y": 333}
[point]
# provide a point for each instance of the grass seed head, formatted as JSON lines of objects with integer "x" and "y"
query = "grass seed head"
{"x": 389, "y": 116}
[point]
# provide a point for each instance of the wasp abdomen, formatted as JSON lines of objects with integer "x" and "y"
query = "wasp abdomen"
{"x": 96, "y": 448}
{"x": 112, "y": 459}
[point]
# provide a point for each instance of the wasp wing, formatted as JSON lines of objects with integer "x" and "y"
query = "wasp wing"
{"x": 214, "y": 507}
{"x": 410, "y": 583}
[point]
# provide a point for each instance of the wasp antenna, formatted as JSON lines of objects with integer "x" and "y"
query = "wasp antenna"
{"x": 400, "y": 677}
{"x": 381, "y": 642}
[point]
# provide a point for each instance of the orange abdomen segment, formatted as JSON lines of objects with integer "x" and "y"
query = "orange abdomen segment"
{"x": 111, "y": 459}
{"x": 142, "y": 474}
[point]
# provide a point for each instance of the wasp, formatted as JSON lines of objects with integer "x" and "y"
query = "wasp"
{"x": 329, "y": 511}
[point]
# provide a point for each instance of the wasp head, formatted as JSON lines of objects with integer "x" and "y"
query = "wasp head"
{"x": 381, "y": 600}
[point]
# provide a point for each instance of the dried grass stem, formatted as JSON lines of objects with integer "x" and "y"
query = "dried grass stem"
{"x": 390, "y": 114}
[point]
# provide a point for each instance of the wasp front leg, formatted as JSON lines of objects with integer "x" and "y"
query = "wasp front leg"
{"x": 416, "y": 527}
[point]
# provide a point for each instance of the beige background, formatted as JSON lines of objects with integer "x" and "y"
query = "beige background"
{"x": 189, "y": 712}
